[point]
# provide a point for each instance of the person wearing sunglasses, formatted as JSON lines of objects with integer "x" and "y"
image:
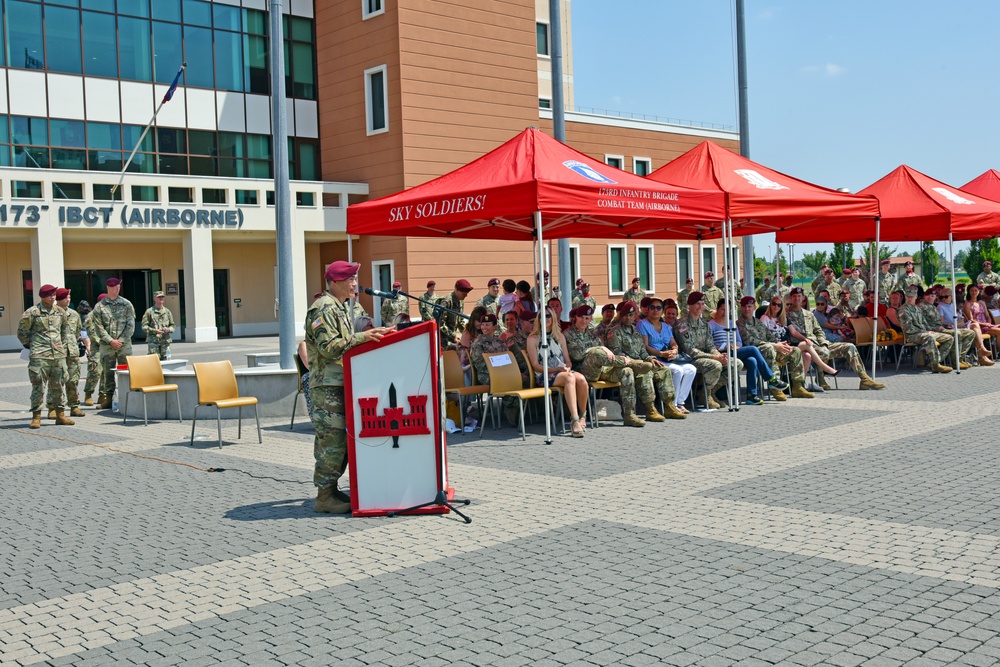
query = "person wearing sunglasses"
{"x": 751, "y": 357}
{"x": 659, "y": 340}
{"x": 695, "y": 340}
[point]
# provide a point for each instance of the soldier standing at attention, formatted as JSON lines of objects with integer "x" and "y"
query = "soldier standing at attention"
{"x": 886, "y": 282}
{"x": 452, "y": 325}
{"x": 712, "y": 295}
{"x": 93, "y": 354}
{"x": 427, "y": 309}
{"x": 817, "y": 281}
{"x": 329, "y": 334}
{"x": 682, "y": 296}
{"x": 44, "y": 330}
{"x": 855, "y": 287}
{"x": 491, "y": 300}
{"x": 583, "y": 298}
{"x": 393, "y": 307}
{"x": 113, "y": 321}
{"x": 910, "y": 278}
{"x": 987, "y": 277}
{"x": 158, "y": 323}
{"x": 635, "y": 294}
{"x": 72, "y": 358}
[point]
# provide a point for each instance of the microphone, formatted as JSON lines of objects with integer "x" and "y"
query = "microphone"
{"x": 379, "y": 293}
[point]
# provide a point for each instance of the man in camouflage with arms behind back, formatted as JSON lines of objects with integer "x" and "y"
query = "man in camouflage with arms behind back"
{"x": 72, "y": 378}
{"x": 44, "y": 330}
{"x": 634, "y": 293}
{"x": 329, "y": 334}
{"x": 887, "y": 282}
{"x": 427, "y": 301}
{"x": 392, "y": 308}
{"x": 775, "y": 352}
{"x": 598, "y": 363}
{"x": 711, "y": 294}
{"x": 158, "y": 323}
{"x": 987, "y": 276}
{"x": 450, "y": 324}
{"x": 113, "y": 322}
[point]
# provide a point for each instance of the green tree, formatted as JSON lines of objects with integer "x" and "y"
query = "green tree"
{"x": 760, "y": 269}
{"x": 815, "y": 260}
{"x": 930, "y": 262}
{"x": 980, "y": 251}
{"x": 842, "y": 256}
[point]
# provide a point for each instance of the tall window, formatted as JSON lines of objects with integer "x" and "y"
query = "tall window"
{"x": 370, "y": 8}
{"x": 617, "y": 269}
{"x": 734, "y": 259}
{"x": 376, "y": 93}
{"x": 574, "y": 263}
{"x": 644, "y": 267}
{"x": 642, "y": 165}
{"x": 542, "y": 39}
{"x": 707, "y": 260}
{"x": 685, "y": 268}
{"x": 616, "y": 161}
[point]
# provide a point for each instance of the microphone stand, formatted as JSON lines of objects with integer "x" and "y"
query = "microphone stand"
{"x": 431, "y": 303}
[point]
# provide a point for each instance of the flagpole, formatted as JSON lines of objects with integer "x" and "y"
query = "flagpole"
{"x": 145, "y": 130}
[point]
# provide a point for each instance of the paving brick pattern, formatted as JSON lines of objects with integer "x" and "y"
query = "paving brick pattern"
{"x": 860, "y": 528}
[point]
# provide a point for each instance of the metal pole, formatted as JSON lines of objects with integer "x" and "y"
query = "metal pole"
{"x": 559, "y": 132}
{"x": 744, "y": 105}
{"x": 878, "y": 229}
{"x": 544, "y": 342}
{"x": 954, "y": 323}
{"x": 282, "y": 205}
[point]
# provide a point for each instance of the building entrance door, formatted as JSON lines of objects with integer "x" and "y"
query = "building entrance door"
{"x": 138, "y": 286}
{"x": 223, "y": 319}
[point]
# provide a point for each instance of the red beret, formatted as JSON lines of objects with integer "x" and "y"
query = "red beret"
{"x": 885, "y": 261}
{"x": 318, "y": 294}
{"x": 527, "y": 315}
{"x": 61, "y": 293}
{"x": 579, "y": 281}
{"x": 635, "y": 280}
{"x": 695, "y": 297}
{"x": 646, "y": 300}
{"x": 111, "y": 282}
{"x": 572, "y": 313}
{"x": 607, "y": 307}
{"x": 341, "y": 270}
{"x": 990, "y": 290}
{"x": 747, "y": 299}
{"x": 709, "y": 274}
{"x": 626, "y": 307}
{"x": 669, "y": 303}
{"x": 46, "y": 290}
{"x": 492, "y": 282}
{"x": 797, "y": 290}
{"x": 431, "y": 283}
{"x": 397, "y": 285}
{"x": 101, "y": 297}
{"x": 488, "y": 317}
{"x": 463, "y": 285}
{"x": 846, "y": 271}
{"x": 584, "y": 311}
{"x": 988, "y": 262}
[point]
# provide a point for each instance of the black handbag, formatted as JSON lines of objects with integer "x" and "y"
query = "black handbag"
{"x": 83, "y": 348}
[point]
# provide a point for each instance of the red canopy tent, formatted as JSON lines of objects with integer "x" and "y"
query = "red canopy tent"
{"x": 532, "y": 186}
{"x": 987, "y": 185}
{"x": 760, "y": 199}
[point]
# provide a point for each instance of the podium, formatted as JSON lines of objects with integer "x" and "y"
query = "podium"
{"x": 395, "y": 439}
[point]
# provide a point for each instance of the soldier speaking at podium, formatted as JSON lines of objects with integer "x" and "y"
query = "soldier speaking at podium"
{"x": 329, "y": 334}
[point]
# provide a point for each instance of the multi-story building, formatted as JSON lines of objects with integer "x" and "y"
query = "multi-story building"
{"x": 382, "y": 95}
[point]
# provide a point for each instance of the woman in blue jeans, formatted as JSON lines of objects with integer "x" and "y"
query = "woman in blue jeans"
{"x": 748, "y": 354}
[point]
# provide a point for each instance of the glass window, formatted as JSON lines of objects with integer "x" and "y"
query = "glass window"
{"x": 371, "y": 8}
{"x": 707, "y": 260}
{"x": 29, "y": 131}
{"x": 308, "y": 162}
{"x": 213, "y": 196}
{"x": 103, "y": 193}
{"x": 134, "y": 8}
{"x": 246, "y": 197}
{"x": 302, "y": 29}
{"x": 107, "y": 160}
{"x": 303, "y": 73}
{"x": 167, "y": 10}
{"x": 100, "y": 5}
{"x": 544, "y": 103}
{"x": 684, "y": 267}
{"x": 130, "y": 137}
{"x": 170, "y": 140}
{"x": 231, "y": 144}
{"x": 201, "y": 142}
{"x": 67, "y": 3}
{"x": 145, "y": 193}
{"x": 232, "y": 167}
{"x": 67, "y": 133}
{"x": 27, "y": 189}
{"x": 226, "y": 17}
{"x": 172, "y": 164}
{"x": 197, "y": 12}
{"x": 305, "y": 199}
{"x": 67, "y": 191}
{"x": 5, "y": 156}
{"x": 269, "y": 197}
{"x": 642, "y": 166}
{"x": 68, "y": 159}
{"x": 255, "y": 21}
{"x": 180, "y": 195}
{"x": 616, "y": 269}
{"x": 100, "y": 56}
{"x": 203, "y": 166}
{"x": 133, "y": 49}
{"x": 615, "y": 161}
{"x": 62, "y": 40}
{"x": 228, "y": 60}
{"x": 259, "y": 146}
{"x": 4, "y": 130}
{"x": 644, "y": 259}
{"x": 375, "y": 100}
{"x": 257, "y": 76}
{"x": 259, "y": 169}
{"x": 24, "y": 35}
{"x": 198, "y": 52}
{"x": 31, "y": 157}
{"x": 542, "y": 39}
{"x": 167, "y": 51}
{"x": 143, "y": 163}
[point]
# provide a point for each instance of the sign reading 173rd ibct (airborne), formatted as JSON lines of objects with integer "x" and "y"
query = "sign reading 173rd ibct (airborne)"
{"x": 30, "y": 215}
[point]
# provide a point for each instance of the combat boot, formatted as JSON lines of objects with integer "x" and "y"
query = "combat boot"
{"x": 101, "y": 398}
{"x": 963, "y": 365}
{"x": 778, "y": 394}
{"x": 89, "y": 401}
{"x": 327, "y": 503}
{"x": 712, "y": 403}
{"x": 77, "y": 412}
{"x": 52, "y": 413}
{"x": 868, "y": 383}
{"x": 821, "y": 380}
{"x": 62, "y": 419}
{"x": 941, "y": 368}
{"x": 798, "y": 391}
{"x": 670, "y": 411}
{"x": 653, "y": 415}
{"x": 36, "y": 419}
{"x": 106, "y": 403}
{"x": 632, "y": 419}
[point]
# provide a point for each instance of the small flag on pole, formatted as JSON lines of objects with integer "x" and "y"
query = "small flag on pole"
{"x": 173, "y": 86}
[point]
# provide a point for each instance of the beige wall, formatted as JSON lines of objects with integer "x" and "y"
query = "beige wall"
{"x": 14, "y": 257}
{"x": 251, "y": 279}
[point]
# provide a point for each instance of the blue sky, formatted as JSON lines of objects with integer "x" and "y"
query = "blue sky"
{"x": 840, "y": 93}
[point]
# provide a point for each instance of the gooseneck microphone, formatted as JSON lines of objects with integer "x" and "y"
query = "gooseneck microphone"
{"x": 379, "y": 293}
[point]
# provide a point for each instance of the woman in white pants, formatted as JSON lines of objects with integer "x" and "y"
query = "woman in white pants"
{"x": 660, "y": 341}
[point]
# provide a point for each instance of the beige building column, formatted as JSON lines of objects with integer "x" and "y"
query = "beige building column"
{"x": 300, "y": 285}
{"x": 199, "y": 286}
{"x": 47, "y": 265}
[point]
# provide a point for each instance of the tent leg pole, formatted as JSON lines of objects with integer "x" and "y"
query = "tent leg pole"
{"x": 873, "y": 271}
{"x": 954, "y": 324}
{"x": 544, "y": 339}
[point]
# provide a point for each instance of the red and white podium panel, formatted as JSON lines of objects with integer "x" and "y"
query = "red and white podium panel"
{"x": 394, "y": 436}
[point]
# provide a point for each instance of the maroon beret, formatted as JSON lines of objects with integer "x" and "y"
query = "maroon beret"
{"x": 317, "y": 295}
{"x": 747, "y": 299}
{"x": 397, "y": 285}
{"x": 488, "y": 317}
{"x": 492, "y": 282}
{"x": 527, "y": 315}
{"x": 463, "y": 285}
{"x": 341, "y": 270}
{"x": 579, "y": 281}
{"x": 635, "y": 280}
{"x": 990, "y": 290}
{"x": 646, "y": 300}
{"x": 607, "y": 307}
{"x": 572, "y": 313}
{"x": 695, "y": 297}
{"x": 626, "y": 307}
{"x": 111, "y": 282}
{"x": 61, "y": 293}
{"x": 584, "y": 311}
{"x": 709, "y": 274}
{"x": 796, "y": 290}
{"x": 101, "y": 297}
{"x": 46, "y": 290}
{"x": 885, "y": 261}
{"x": 846, "y": 271}
{"x": 869, "y": 291}
{"x": 431, "y": 283}
{"x": 987, "y": 263}
{"x": 669, "y": 303}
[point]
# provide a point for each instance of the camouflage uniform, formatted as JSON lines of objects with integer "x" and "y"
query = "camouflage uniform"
{"x": 158, "y": 318}
{"x": 588, "y": 355}
{"x": 756, "y": 333}
{"x": 990, "y": 278}
{"x": 815, "y": 287}
{"x": 910, "y": 279}
{"x": 833, "y": 287}
{"x": 581, "y": 300}
{"x": 72, "y": 363}
{"x": 713, "y": 297}
{"x": 112, "y": 319}
{"x": 449, "y": 324}
{"x": 857, "y": 292}
{"x": 887, "y": 284}
{"x": 936, "y": 345}
{"x": 846, "y": 309}
{"x": 694, "y": 338}
{"x": 93, "y": 359}
{"x": 966, "y": 337}
{"x": 481, "y": 346}
{"x": 634, "y": 294}
{"x": 44, "y": 331}
{"x": 721, "y": 284}
{"x": 762, "y": 293}
{"x": 329, "y": 334}
{"x": 628, "y": 342}
{"x": 519, "y": 346}
{"x": 602, "y": 331}
{"x": 427, "y": 310}
{"x": 392, "y": 307}
{"x": 490, "y": 303}
{"x": 808, "y": 326}
{"x": 682, "y": 301}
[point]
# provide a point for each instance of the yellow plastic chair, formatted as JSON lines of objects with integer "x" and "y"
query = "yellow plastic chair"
{"x": 301, "y": 390}
{"x": 145, "y": 374}
{"x": 454, "y": 382}
{"x": 596, "y": 386}
{"x": 505, "y": 380}
{"x": 217, "y": 387}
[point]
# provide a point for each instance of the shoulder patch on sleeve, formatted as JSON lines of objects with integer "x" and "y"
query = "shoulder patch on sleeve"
{"x": 317, "y": 323}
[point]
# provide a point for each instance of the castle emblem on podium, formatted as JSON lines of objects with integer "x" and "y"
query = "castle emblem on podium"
{"x": 392, "y": 422}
